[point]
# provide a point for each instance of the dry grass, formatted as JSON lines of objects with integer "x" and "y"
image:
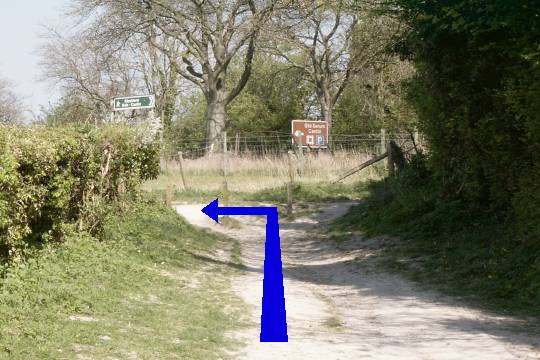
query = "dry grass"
{"x": 252, "y": 174}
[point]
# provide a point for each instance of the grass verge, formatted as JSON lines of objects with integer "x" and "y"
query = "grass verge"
{"x": 303, "y": 195}
{"x": 442, "y": 244}
{"x": 144, "y": 291}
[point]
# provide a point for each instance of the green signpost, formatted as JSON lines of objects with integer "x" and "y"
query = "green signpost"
{"x": 134, "y": 102}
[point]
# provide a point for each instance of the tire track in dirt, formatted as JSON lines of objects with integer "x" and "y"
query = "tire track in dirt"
{"x": 342, "y": 305}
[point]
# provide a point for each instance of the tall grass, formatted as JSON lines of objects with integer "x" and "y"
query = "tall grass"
{"x": 250, "y": 174}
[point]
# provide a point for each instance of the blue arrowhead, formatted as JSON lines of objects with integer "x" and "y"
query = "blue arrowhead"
{"x": 211, "y": 210}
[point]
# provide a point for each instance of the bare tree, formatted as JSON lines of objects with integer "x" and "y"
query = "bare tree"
{"x": 93, "y": 72}
{"x": 330, "y": 42}
{"x": 11, "y": 107}
{"x": 212, "y": 33}
{"x": 160, "y": 78}
{"x": 82, "y": 68}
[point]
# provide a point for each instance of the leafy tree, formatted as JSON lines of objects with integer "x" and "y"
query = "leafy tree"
{"x": 374, "y": 100}
{"x": 275, "y": 95}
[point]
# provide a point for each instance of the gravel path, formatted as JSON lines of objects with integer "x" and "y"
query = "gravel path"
{"x": 342, "y": 305}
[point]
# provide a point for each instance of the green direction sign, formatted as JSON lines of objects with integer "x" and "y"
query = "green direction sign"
{"x": 135, "y": 102}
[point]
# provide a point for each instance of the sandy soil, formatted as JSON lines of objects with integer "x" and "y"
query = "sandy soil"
{"x": 342, "y": 305}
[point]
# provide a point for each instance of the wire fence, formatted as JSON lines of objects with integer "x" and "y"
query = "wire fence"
{"x": 276, "y": 143}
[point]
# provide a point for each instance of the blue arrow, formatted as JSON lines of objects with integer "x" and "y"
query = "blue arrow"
{"x": 273, "y": 318}
{"x": 213, "y": 210}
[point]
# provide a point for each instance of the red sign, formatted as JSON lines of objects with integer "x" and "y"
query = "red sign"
{"x": 312, "y": 134}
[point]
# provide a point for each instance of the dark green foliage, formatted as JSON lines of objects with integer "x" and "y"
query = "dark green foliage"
{"x": 477, "y": 95}
{"x": 188, "y": 132}
{"x": 463, "y": 253}
{"x": 53, "y": 176}
{"x": 373, "y": 100}
{"x": 274, "y": 95}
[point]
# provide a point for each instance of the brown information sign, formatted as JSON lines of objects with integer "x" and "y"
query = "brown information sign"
{"x": 312, "y": 134}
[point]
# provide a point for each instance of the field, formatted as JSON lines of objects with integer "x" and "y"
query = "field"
{"x": 250, "y": 174}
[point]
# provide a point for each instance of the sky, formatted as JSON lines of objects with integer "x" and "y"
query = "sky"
{"x": 20, "y": 27}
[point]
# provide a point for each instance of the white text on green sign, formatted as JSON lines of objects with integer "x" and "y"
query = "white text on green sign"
{"x": 134, "y": 102}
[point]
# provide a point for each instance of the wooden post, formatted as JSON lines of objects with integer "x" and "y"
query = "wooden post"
{"x": 390, "y": 158}
{"x": 383, "y": 141}
{"x": 290, "y": 184}
{"x": 224, "y": 142}
{"x": 224, "y": 169}
{"x": 416, "y": 139}
{"x": 301, "y": 155}
{"x": 364, "y": 165}
{"x": 181, "y": 164}
{"x": 168, "y": 195}
{"x": 237, "y": 144}
{"x": 165, "y": 163}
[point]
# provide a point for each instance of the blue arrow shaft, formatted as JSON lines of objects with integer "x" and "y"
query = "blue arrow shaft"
{"x": 246, "y": 211}
{"x": 274, "y": 316}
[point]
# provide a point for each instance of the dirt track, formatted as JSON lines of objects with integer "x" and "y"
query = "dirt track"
{"x": 342, "y": 305}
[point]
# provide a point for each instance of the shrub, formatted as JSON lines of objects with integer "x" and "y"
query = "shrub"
{"x": 54, "y": 176}
{"x": 477, "y": 94}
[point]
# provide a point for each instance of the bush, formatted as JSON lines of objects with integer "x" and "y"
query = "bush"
{"x": 477, "y": 94}
{"x": 51, "y": 177}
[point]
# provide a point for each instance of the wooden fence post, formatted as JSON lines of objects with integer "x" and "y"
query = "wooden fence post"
{"x": 390, "y": 158}
{"x": 237, "y": 144}
{"x": 383, "y": 141}
{"x": 224, "y": 170}
{"x": 224, "y": 142}
{"x": 181, "y": 165}
{"x": 301, "y": 155}
{"x": 417, "y": 141}
{"x": 290, "y": 184}
{"x": 168, "y": 195}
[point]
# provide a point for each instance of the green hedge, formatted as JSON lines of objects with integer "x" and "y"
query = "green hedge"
{"x": 53, "y": 176}
{"x": 477, "y": 94}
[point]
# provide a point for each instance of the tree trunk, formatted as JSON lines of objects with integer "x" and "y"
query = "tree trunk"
{"x": 215, "y": 120}
{"x": 326, "y": 110}
{"x": 170, "y": 89}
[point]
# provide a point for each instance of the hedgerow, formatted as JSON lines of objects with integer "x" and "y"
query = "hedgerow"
{"x": 477, "y": 94}
{"x": 52, "y": 178}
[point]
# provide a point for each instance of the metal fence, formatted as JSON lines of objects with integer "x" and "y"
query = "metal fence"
{"x": 276, "y": 143}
